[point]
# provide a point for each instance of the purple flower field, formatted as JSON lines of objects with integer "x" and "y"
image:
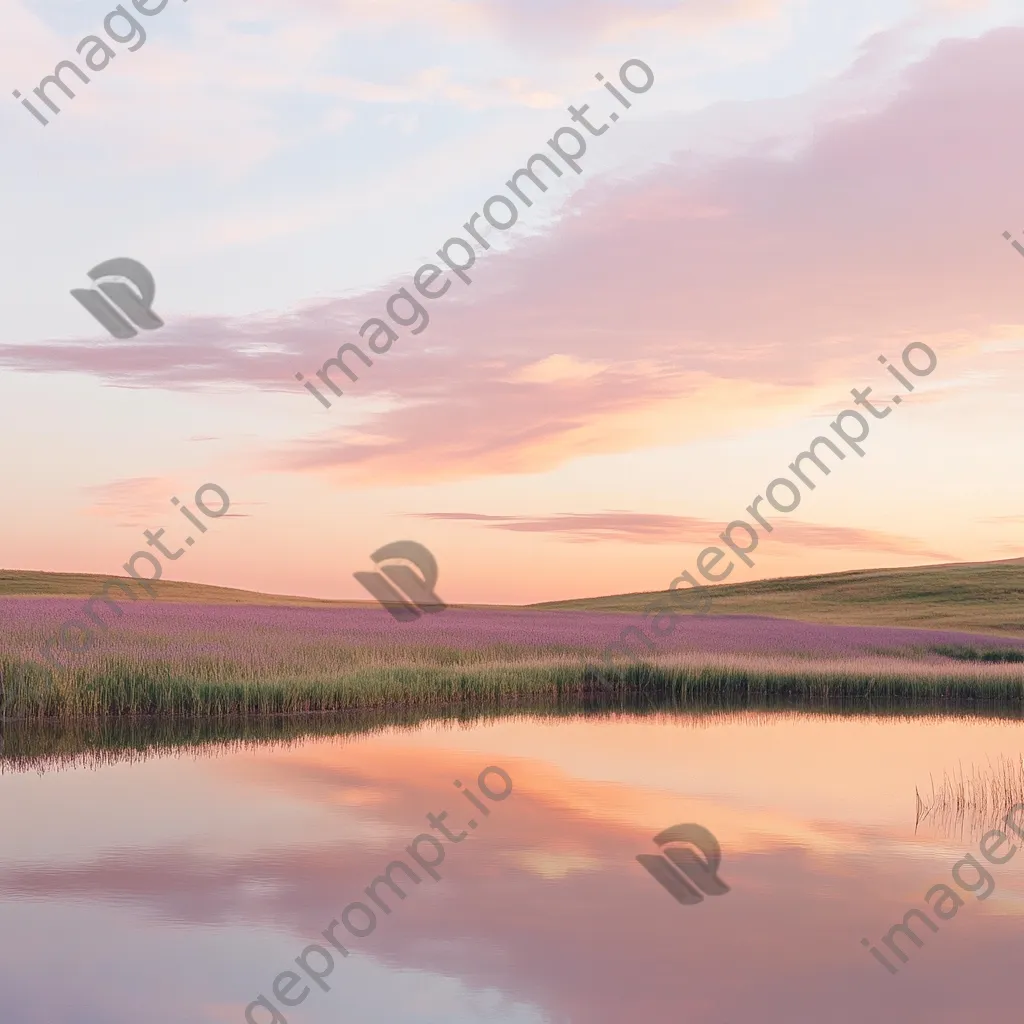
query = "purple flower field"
{"x": 184, "y": 659}
{"x": 248, "y": 633}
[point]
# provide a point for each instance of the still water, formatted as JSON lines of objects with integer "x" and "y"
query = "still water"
{"x": 178, "y": 888}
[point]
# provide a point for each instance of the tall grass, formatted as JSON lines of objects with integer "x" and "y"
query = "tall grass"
{"x": 977, "y": 800}
{"x": 187, "y": 661}
{"x": 225, "y": 688}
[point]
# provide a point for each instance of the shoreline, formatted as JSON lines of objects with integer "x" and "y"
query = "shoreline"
{"x": 56, "y": 743}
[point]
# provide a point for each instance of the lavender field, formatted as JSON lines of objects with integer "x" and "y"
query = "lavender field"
{"x": 198, "y": 659}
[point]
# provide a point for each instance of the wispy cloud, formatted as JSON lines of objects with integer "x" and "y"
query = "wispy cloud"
{"x": 647, "y": 528}
{"x": 143, "y": 500}
{"x": 750, "y": 283}
{"x": 131, "y": 501}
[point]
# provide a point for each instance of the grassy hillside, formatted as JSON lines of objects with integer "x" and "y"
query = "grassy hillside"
{"x": 27, "y": 583}
{"x": 978, "y": 597}
{"x": 30, "y": 583}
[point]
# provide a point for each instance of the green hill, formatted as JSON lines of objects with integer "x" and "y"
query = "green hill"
{"x": 28, "y": 583}
{"x": 32, "y": 583}
{"x": 973, "y": 596}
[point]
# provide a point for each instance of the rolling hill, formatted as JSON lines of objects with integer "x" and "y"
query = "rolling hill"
{"x": 974, "y": 596}
{"x": 29, "y": 583}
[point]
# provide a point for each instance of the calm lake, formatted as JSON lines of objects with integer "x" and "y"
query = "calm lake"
{"x": 179, "y": 887}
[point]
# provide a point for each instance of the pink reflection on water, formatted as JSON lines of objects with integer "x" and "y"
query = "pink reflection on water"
{"x": 544, "y": 902}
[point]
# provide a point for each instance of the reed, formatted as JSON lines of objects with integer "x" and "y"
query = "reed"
{"x": 976, "y": 801}
{"x": 223, "y": 688}
{"x": 190, "y": 661}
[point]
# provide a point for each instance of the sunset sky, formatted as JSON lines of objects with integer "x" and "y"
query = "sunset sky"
{"x": 805, "y": 187}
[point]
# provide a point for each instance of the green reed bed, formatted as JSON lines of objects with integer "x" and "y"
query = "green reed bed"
{"x": 889, "y": 679}
{"x": 118, "y": 688}
{"x": 420, "y": 678}
{"x": 992, "y": 656}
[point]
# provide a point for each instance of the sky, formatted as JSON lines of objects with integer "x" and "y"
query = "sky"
{"x": 799, "y": 192}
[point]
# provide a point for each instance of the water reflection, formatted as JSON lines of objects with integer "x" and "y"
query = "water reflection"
{"x": 178, "y": 888}
{"x": 52, "y": 745}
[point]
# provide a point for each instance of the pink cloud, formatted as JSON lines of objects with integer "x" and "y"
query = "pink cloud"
{"x": 131, "y": 501}
{"x": 550, "y": 23}
{"x": 546, "y": 24}
{"x": 646, "y": 528}
{"x": 753, "y": 273}
{"x": 135, "y": 501}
